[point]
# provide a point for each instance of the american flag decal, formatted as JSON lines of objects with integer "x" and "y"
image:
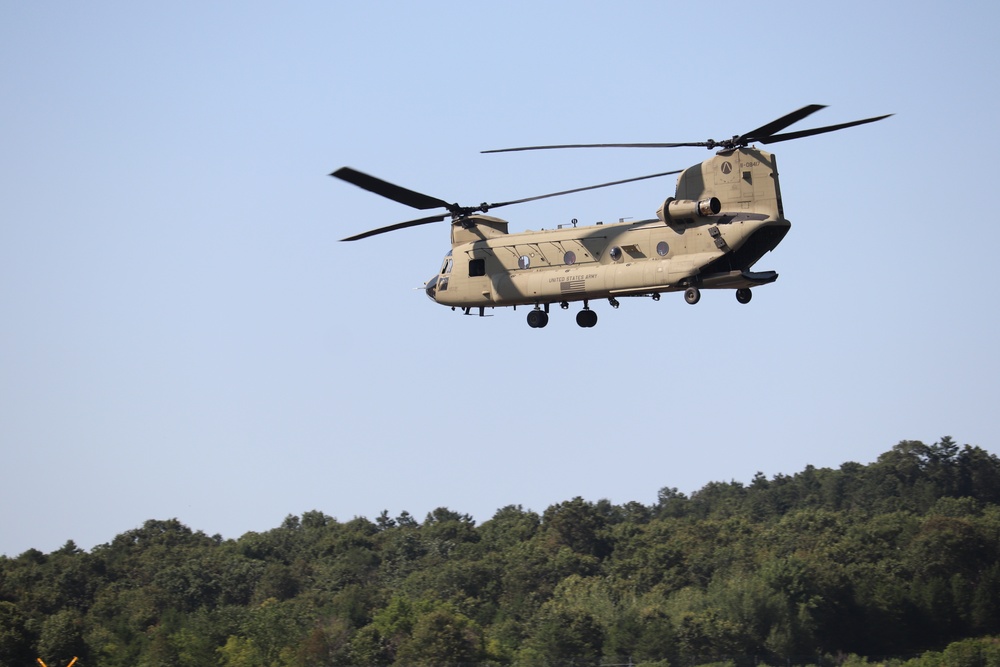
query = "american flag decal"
{"x": 571, "y": 286}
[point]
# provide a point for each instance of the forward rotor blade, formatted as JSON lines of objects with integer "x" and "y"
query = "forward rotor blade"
{"x": 819, "y": 130}
{"x": 589, "y": 187}
{"x": 398, "y": 225}
{"x": 389, "y": 190}
{"x": 454, "y": 211}
{"x": 764, "y": 131}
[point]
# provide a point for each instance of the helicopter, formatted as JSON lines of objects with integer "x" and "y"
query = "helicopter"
{"x": 725, "y": 215}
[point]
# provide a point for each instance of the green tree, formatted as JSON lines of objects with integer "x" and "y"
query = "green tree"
{"x": 641, "y": 632}
{"x": 369, "y": 647}
{"x": 985, "y": 609}
{"x": 563, "y": 636}
{"x": 327, "y": 644}
{"x": 61, "y": 638}
{"x": 441, "y": 637}
{"x": 191, "y": 647}
{"x": 274, "y": 627}
{"x": 979, "y": 475}
{"x": 240, "y": 652}
{"x": 579, "y": 525}
{"x": 671, "y": 503}
{"x": 510, "y": 525}
{"x": 15, "y": 642}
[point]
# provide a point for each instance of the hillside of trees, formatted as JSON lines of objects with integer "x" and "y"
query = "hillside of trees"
{"x": 895, "y": 561}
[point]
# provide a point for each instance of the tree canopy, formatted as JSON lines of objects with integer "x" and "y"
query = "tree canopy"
{"x": 891, "y": 559}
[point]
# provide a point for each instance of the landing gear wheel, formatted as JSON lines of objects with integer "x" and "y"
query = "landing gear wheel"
{"x": 586, "y": 318}
{"x": 743, "y": 295}
{"x": 537, "y": 318}
{"x": 692, "y": 295}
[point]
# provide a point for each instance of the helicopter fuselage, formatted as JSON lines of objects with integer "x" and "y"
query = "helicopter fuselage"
{"x": 726, "y": 214}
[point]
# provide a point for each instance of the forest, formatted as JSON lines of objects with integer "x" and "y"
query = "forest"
{"x": 891, "y": 563}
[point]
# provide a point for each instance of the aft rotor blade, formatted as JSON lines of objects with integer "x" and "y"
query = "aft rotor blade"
{"x": 764, "y": 134}
{"x": 645, "y": 145}
{"x": 819, "y": 130}
{"x": 398, "y": 225}
{"x": 765, "y": 131}
{"x": 753, "y": 135}
{"x": 589, "y": 187}
{"x": 389, "y": 190}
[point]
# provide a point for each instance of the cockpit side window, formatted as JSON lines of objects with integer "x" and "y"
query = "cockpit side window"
{"x": 446, "y": 267}
{"x": 477, "y": 267}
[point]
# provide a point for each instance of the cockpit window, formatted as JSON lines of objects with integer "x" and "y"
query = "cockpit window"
{"x": 446, "y": 267}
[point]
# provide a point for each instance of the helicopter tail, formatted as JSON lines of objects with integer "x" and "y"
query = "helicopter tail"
{"x": 744, "y": 181}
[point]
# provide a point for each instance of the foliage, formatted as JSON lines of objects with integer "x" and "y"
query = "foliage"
{"x": 895, "y": 558}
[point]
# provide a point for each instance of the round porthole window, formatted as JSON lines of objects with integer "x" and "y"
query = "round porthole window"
{"x": 662, "y": 248}
{"x": 616, "y": 253}
{"x": 569, "y": 257}
{"x": 523, "y": 262}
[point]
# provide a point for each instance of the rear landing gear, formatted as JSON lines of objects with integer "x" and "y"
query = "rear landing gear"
{"x": 692, "y": 295}
{"x": 743, "y": 295}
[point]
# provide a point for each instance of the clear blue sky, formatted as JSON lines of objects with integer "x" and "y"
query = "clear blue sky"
{"x": 182, "y": 334}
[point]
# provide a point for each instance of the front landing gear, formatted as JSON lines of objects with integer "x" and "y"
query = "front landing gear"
{"x": 586, "y": 318}
{"x": 692, "y": 295}
{"x": 537, "y": 318}
{"x": 743, "y": 295}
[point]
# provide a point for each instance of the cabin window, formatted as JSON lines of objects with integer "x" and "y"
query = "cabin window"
{"x": 616, "y": 253}
{"x": 477, "y": 267}
{"x": 523, "y": 262}
{"x": 662, "y": 248}
{"x": 569, "y": 257}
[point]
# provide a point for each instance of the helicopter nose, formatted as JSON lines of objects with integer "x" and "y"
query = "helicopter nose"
{"x": 430, "y": 287}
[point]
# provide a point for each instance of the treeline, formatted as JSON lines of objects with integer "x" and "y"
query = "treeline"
{"x": 895, "y": 558}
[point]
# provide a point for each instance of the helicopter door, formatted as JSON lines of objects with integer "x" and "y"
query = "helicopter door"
{"x": 479, "y": 286}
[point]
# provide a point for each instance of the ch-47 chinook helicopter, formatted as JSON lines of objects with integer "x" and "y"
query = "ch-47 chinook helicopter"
{"x": 726, "y": 213}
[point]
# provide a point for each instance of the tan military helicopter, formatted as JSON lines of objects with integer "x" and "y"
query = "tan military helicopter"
{"x": 726, "y": 213}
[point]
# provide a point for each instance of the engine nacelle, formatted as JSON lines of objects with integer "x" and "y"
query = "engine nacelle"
{"x": 675, "y": 210}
